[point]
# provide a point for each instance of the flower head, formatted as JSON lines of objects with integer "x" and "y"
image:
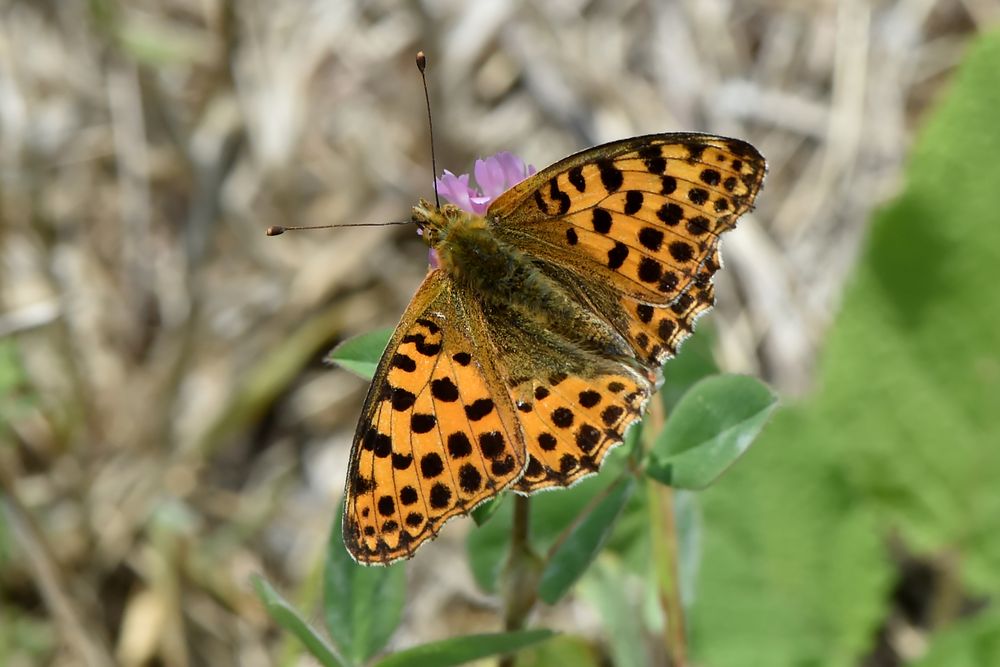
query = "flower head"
{"x": 494, "y": 176}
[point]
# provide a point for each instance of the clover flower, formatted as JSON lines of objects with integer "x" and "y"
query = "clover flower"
{"x": 494, "y": 176}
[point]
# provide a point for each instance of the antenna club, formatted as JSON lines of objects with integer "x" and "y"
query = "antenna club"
{"x": 276, "y": 230}
{"x": 421, "y": 64}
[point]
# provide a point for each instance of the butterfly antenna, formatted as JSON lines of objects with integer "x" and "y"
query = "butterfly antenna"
{"x": 422, "y": 65}
{"x": 279, "y": 229}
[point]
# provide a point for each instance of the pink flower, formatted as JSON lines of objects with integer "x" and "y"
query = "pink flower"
{"x": 494, "y": 176}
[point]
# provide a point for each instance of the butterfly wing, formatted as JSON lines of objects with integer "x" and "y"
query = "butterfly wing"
{"x": 644, "y": 214}
{"x": 631, "y": 229}
{"x": 433, "y": 441}
{"x": 572, "y": 404}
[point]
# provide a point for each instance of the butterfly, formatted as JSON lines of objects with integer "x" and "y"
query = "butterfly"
{"x": 538, "y": 337}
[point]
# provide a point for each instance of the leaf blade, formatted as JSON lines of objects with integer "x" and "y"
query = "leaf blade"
{"x": 712, "y": 426}
{"x": 286, "y": 616}
{"x": 361, "y": 354}
{"x": 574, "y": 555}
{"x": 460, "y": 650}
{"x": 363, "y": 605}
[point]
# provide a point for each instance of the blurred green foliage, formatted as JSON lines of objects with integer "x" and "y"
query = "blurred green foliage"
{"x": 900, "y": 438}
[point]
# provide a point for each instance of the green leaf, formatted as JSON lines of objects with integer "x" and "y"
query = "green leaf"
{"x": 616, "y": 595}
{"x": 488, "y": 545}
{"x": 363, "y": 604}
{"x": 687, "y": 518}
{"x": 574, "y": 555}
{"x": 562, "y": 650}
{"x": 694, "y": 362}
{"x": 361, "y": 354}
{"x": 461, "y": 650}
{"x": 712, "y": 426}
{"x": 286, "y": 616}
{"x": 485, "y": 510}
{"x": 971, "y": 642}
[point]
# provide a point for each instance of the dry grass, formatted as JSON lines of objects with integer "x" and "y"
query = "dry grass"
{"x": 175, "y": 429}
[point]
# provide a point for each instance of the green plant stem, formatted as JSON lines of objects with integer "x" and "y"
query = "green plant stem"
{"x": 667, "y": 563}
{"x": 666, "y": 554}
{"x": 521, "y": 574}
{"x": 583, "y": 513}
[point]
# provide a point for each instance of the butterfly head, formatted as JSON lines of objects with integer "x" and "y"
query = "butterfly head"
{"x": 436, "y": 225}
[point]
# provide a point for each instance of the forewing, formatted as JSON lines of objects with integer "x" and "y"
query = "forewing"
{"x": 643, "y": 214}
{"x": 433, "y": 441}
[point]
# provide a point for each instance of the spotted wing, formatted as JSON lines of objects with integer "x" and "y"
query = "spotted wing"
{"x": 571, "y": 423}
{"x": 643, "y": 214}
{"x": 631, "y": 229}
{"x": 573, "y": 405}
{"x": 432, "y": 442}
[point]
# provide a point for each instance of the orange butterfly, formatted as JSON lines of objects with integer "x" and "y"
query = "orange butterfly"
{"x": 538, "y": 337}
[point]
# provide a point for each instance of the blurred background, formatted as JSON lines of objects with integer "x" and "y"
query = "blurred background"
{"x": 168, "y": 425}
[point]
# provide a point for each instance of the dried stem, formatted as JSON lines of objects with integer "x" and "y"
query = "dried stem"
{"x": 77, "y": 625}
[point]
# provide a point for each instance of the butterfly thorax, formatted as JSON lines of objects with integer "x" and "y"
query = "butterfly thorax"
{"x": 501, "y": 275}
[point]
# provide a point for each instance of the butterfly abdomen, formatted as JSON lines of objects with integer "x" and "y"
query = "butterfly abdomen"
{"x": 503, "y": 275}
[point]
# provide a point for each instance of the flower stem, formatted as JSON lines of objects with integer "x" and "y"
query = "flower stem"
{"x": 521, "y": 575}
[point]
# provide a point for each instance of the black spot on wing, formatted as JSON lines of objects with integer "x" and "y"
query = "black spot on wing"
{"x": 540, "y": 203}
{"x": 652, "y": 157}
{"x": 469, "y": 478}
{"x": 440, "y": 496}
{"x": 710, "y": 177}
{"x": 617, "y": 255}
{"x": 698, "y": 195}
{"x": 562, "y": 417}
{"x": 611, "y": 176}
{"x": 402, "y": 399}
{"x": 403, "y": 362}
{"x": 431, "y": 465}
{"x": 670, "y": 214}
{"x": 651, "y": 238}
{"x": 459, "y": 445}
{"x": 491, "y": 444}
{"x": 408, "y": 495}
{"x": 601, "y": 220}
{"x": 650, "y": 270}
{"x": 422, "y": 423}
{"x": 633, "y": 202}
{"x": 558, "y": 196}
{"x": 479, "y": 409}
{"x": 681, "y": 251}
{"x": 443, "y": 389}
